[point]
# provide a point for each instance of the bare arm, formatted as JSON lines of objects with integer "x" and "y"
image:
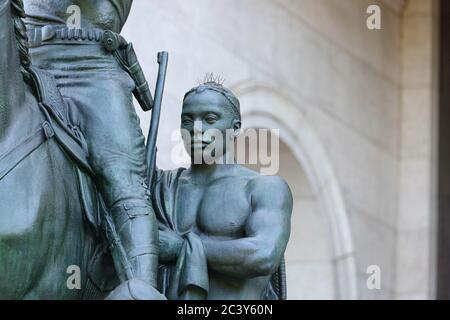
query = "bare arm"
{"x": 267, "y": 233}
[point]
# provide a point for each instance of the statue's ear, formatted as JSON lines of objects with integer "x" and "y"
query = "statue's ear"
{"x": 237, "y": 125}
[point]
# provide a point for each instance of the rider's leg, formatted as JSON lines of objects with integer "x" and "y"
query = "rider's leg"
{"x": 102, "y": 94}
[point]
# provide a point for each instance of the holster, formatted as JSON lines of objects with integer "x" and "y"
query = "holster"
{"x": 126, "y": 56}
{"x": 113, "y": 43}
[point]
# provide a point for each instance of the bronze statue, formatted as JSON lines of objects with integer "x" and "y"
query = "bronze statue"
{"x": 53, "y": 218}
{"x": 223, "y": 228}
{"x": 78, "y": 185}
{"x": 97, "y": 73}
{"x": 48, "y": 215}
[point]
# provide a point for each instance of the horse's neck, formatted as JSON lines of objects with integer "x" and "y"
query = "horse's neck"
{"x": 12, "y": 88}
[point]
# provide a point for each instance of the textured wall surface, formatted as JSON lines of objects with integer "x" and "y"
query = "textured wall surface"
{"x": 314, "y": 60}
{"x": 416, "y": 237}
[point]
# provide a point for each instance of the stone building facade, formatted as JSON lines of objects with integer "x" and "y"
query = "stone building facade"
{"x": 356, "y": 109}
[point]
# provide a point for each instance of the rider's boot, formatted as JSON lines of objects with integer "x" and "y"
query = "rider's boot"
{"x": 136, "y": 226}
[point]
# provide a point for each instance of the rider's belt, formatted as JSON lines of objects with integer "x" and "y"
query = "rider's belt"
{"x": 62, "y": 35}
{"x": 111, "y": 41}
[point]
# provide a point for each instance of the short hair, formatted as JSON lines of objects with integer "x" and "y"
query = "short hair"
{"x": 215, "y": 86}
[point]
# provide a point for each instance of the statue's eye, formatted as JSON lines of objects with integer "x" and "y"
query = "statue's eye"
{"x": 211, "y": 118}
{"x": 186, "y": 121}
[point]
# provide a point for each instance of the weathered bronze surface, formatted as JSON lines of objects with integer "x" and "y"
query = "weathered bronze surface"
{"x": 78, "y": 186}
{"x": 223, "y": 228}
{"x": 47, "y": 217}
{"x": 90, "y": 94}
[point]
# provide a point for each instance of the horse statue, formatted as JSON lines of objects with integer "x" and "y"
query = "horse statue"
{"x": 50, "y": 217}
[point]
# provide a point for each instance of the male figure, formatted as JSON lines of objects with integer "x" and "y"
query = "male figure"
{"x": 99, "y": 94}
{"x": 223, "y": 228}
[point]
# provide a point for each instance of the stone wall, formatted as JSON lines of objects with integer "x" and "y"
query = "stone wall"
{"x": 416, "y": 237}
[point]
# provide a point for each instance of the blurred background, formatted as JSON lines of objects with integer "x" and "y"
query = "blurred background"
{"x": 358, "y": 115}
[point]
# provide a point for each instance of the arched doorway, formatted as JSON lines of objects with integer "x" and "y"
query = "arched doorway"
{"x": 323, "y": 259}
{"x": 309, "y": 258}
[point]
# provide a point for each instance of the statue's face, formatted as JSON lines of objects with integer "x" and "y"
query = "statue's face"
{"x": 208, "y": 125}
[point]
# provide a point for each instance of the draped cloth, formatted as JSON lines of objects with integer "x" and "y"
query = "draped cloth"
{"x": 187, "y": 279}
{"x": 123, "y": 8}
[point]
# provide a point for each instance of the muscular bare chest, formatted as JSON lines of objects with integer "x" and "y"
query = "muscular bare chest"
{"x": 219, "y": 210}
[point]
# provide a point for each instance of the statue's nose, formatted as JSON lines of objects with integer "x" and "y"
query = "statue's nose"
{"x": 198, "y": 127}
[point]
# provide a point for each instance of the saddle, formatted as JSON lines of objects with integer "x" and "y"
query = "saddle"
{"x": 56, "y": 126}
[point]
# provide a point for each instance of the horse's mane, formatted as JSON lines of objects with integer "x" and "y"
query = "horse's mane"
{"x": 20, "y": 31}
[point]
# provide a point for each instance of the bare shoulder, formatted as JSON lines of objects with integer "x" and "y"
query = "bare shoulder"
{"x": 260, "y": 183}
{"x": 270, "y": 191}
{"x": 246, "y": 173}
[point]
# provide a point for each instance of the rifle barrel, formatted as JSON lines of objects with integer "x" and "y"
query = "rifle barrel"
{"x": 163, "y": 58}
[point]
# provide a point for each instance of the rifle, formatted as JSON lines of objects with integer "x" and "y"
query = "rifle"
{"x": 163, "y": 58}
